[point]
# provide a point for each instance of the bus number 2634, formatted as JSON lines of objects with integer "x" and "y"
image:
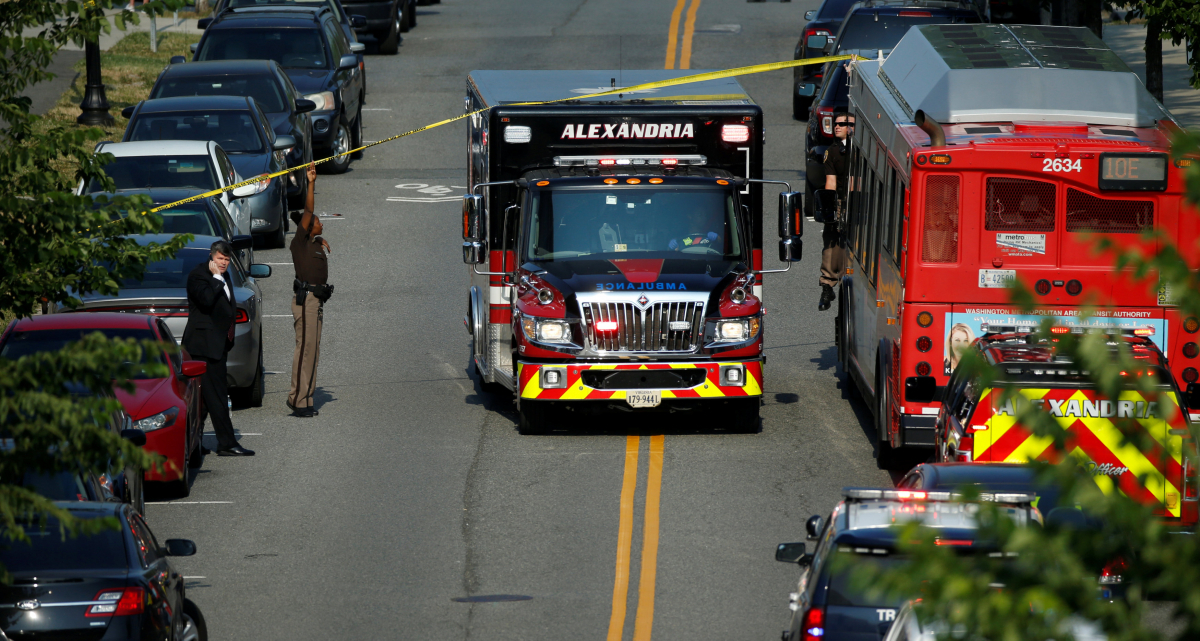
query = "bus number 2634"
{"x": 1062, "y": 164}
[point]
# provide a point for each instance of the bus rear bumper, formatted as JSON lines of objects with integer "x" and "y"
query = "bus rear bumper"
{"x": 918, "y": 430}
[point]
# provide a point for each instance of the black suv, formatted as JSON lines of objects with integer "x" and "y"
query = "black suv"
{"x": 823, "y": 21}
{"x": 262, "y": 80}
{"x": 386, "y": 19}
{"x": 308, "y": 44}
{"x": 827, "y": 603}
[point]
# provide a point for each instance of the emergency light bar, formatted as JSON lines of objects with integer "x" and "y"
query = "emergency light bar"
{"x": 626, "y": 161}
{"x": 873, "y": 494}
{"x": 989, "y": 328}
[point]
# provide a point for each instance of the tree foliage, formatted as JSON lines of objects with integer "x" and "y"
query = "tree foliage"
{"x": 54, "y": 244}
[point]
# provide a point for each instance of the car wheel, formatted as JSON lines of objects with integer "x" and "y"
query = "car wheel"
{"x": 341, "y": 144}
{"x": 534, "y": 418}
{"x": 356, "y": 137}
{"x": 799, "y": 109}
{"x": 251, "y": 396}
{"x": 279, "y": 238}
{"x": 389, "y": 44}
{"x": 196, "y": 458}
{"x": 194, "y": 628}
{"x": 180, "y": 489}
{"x": 406, "y": 15}
{"x": 412, "y": 14}
{"x": 887, "y": 456}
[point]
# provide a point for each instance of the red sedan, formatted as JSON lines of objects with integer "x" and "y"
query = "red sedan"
{"x": 167, "y": 409}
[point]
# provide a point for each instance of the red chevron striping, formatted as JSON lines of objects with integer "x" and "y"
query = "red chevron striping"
{"x": 1097, "y": 451}
{"x": 1005, "y": 445}
{"x": 527, "y": 374}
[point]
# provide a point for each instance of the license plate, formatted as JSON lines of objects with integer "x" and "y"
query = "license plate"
{"x": 644, "y": 398}
{"x": 996, "y": 277}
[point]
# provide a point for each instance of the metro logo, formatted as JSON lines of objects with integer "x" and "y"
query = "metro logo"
{"x": 628, "y": 130}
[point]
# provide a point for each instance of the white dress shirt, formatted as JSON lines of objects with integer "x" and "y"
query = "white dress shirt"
{"x": 225, "y": 284}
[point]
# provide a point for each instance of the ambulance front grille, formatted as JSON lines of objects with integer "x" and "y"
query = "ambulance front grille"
{"x": 644, "y": 330}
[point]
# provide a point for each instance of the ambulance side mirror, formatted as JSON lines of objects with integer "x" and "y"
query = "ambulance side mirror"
{"x": 921, "y": 389}
{"x": 791, "y": 214}
{"x": 472, "y": 212}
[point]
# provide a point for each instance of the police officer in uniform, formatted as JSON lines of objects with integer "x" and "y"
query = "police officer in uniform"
{"x": 837, "y": 169}
{"x": 310, "y": 257}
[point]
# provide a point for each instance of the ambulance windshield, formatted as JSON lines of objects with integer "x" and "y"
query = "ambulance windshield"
{"x": 649, "y": 221}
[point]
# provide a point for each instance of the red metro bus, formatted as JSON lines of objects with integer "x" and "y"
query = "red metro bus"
{"x": 984, "y": 154}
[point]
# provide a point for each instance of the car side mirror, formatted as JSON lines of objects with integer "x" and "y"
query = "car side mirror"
{"x": 135, "y": 436}
{"x": 816, "y": 42}
{"x": 828, "y": 48}
{"x": 824, "y": 206}
{"x": 283, "y": 142}
{"x": 348, "y": 61}
{"x": 304, "y": 105}
{"x": 243, "y": 191}
{"x": 806, "y": 90}
{"x": 178, "y": 60}
{"x": 357, "y": 47}
{"x": 921, "y": 389}
{"x": 358, "y": 22}
{"x": 192, "y": 369}
{"x": 813, "y": 526}
{"x": 127, "y": 112}
{"x": 810, "y": 14}
{"x": 203, "y": 23}
{"x": 193, "y": 47}
{"x": 791, "y": 214}
{"x": 472, "y": 212}
{"x": 242, "y": 242}
{"x": 792, "y": 553}
{"x": 260, "y": 271}
{"x": 179, "y": 547}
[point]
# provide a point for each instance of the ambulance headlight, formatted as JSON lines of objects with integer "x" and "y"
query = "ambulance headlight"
{"x": 739, "y": 330}
{"x": 546, "y": 330}
{"x": 517, "y": 133}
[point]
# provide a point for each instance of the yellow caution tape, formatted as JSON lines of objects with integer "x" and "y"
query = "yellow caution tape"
{"x": 682, "y": 80}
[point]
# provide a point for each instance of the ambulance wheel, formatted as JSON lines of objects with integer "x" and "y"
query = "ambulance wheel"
{"x": 534, "y": 418}
{"x": 886, "y": 455}
{"x": 743, "y": 415}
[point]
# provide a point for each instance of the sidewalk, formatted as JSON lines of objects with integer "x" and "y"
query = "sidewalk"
{"x": 1127, "y": 40}
{"x": 164, "y": 24}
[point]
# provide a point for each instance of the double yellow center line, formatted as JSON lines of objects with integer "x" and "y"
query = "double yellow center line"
{"x": 643, "y": 623}
{"x": 689, "y": 29}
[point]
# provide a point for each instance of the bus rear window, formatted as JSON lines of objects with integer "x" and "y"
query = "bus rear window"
{"x": 1087, "y": 213}
{"x": 1014, "y": 204}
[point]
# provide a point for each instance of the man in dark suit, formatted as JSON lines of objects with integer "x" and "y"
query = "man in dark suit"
{"x": 209, "y": 337}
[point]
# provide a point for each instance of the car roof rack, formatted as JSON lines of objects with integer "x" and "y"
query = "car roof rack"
{"x": 859, "y": 494}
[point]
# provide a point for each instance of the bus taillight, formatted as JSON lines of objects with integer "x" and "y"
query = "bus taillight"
{"x": 1191, "y": 324}
{"x": 924, "y": 369}
{"x": 925, "y": 319}
{"x": 924, "y": 344}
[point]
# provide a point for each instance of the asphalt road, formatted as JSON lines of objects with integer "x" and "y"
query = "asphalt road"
{"x": 413, "y": 489}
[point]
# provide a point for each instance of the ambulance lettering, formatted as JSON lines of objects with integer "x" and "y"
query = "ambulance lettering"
{"x": 627, "y": 130}
{"x": 609, "y": 287}
{"x": 1075, "y": 408}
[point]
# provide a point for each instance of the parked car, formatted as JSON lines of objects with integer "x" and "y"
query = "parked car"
{"x": 203, "y": 217}
{"x": 264, "y": 81}
{"x": 822, "y": 21}
{"x": 177, "y": 164}
{"x": 239, "y": 126}
{"x": 386, "y": 20}
{"x": 314, "y": 53}
{"x": 163, "y": 292}
{"x": 907, "y": 627}
{"x": 166, "y": 410}
{"x": 347, "y": 21}
{"x": 114, "y": 584}
{"x": 116, "y": 485}
{"x": 834, "y": 95}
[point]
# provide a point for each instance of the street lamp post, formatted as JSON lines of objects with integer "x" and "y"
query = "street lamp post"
{"x": 95, "y": 103}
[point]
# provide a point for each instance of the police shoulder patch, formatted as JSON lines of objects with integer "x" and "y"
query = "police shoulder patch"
{"x": 826, "y": 154}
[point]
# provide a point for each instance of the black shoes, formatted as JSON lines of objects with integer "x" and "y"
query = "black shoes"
{"x": 827, "y": 297}
{"x": 236, "y": 450}
{"x": 302, "y": 412}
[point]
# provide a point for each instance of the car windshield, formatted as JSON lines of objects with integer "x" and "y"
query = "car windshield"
{"x": 25, "y": 343}
{"x": 614, "y": 222}
{"x": 291, "y": 48}
{"x": 56, "y": 486}
{"x": 168, "y": 172}
{"x": 845, "y": 591}
{"x": 262, "y": 88}
{"x": 871, "y": 30}
{"x": 47, "y": 551}
{"x": 185, "y": 219}
{"x": 171, "y": 273}
{"x": 235, "y": 131}
{"x": 835, "y": 9}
